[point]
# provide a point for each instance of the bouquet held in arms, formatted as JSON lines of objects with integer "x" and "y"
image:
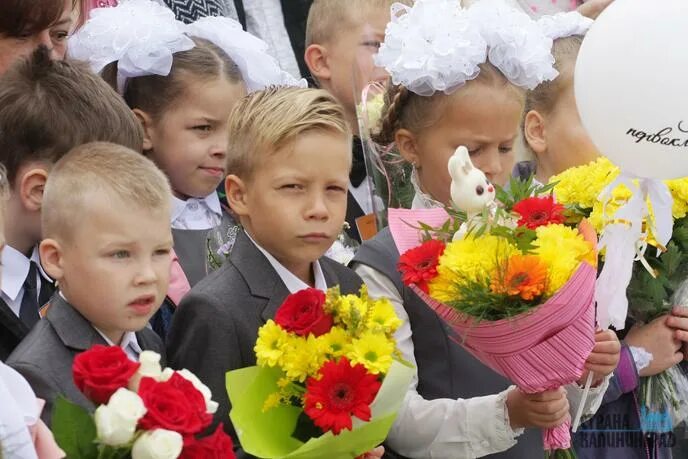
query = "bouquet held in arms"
{"x": 143, "y": 411}
{"x": 512, "y": 280}
{"x": 329, "y": 380}
{"x": 659, "y": 280}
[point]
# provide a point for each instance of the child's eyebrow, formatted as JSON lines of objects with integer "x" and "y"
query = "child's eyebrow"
{"x": 64, "y": 21}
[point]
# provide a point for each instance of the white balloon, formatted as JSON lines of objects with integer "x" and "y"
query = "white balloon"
{"x": 631, "y": 82}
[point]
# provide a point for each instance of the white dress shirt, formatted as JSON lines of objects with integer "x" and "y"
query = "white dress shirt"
{"x": 293, "y": 283}
{"x": 15, "y": 268}
{"x": 130, "y": 345}
{"x": 265, "y": 20}
{"x": 19, "y": 410}
{"x": 196, "y": 213}
{"x": 445, "y": 428}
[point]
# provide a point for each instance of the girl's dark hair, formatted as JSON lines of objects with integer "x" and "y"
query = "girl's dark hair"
{"x": 154, "y": 94}
{"x": 27, "y": 17}
{"x": 403, "y": 109}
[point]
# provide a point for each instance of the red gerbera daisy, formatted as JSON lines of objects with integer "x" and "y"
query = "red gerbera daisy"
{"x": 418, "y": 266}
{"x": 342, "y": 391}
{"x": 539, "y": 211}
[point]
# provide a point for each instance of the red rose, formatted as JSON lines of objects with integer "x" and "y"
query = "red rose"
{"x": 303, "y": 313}
{"x": 101, "y": 370}
{"x": 216, "y": 446}
{"x": 174, "y": 405}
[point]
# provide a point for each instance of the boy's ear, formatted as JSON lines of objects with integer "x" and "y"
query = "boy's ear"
{"x": 51, "y": 258}
{"x": 147, "y": 123}
{"x": 31, "y": 185}
{"x": 316, "y": 60}
{"x": 535, "y": 132}
{"x": 406, "y": 144}
{"x": 236, "y": 195}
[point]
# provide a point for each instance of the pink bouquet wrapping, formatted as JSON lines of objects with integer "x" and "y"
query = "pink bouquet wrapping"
{"x": 540, "y": 349}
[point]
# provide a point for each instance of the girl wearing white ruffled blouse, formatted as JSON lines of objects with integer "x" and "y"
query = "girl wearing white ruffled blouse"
{"x": 459, "y": 77}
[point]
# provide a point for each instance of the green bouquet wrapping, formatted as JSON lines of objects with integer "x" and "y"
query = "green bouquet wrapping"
{"x": 268, "y": 434}
{"x": 328, "y": 380}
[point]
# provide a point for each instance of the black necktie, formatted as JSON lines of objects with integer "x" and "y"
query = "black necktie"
{"x": 32, "y": 301}
{"x": 358, "y": 169}
{"x": 29, "y": 305}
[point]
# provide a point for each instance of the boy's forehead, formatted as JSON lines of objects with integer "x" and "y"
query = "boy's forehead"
{"x": 370, "y": 21}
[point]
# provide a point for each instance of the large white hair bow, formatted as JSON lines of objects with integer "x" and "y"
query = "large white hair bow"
{"x": 140, "y": 35}
{"x": 436, "y": 45}
{"x": 250, "y": 53}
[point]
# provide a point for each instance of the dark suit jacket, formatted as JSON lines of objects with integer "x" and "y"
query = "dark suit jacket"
{"x": 45, "y": 356}
{"x": 12, "y": 330}
{"x": 215, "y": 327}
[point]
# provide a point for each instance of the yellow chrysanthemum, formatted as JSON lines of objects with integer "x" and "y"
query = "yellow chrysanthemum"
{"x": 273, "y": 401}
{"x": 679, "y": 191}
{"x": 583, "y": 184}
{"x": 336, "y": 342}
{"x": 270, "y": 344}
{"x": 351, "y": 311}
{"x": 382, "y": 317}
{"x": 469, "y": 259}
{"x": 563, "y": 249}
{"x": 302, "y": 357}
{"x": 373, "y": 351}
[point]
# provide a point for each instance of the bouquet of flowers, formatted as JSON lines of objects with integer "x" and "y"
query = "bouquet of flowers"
{"x": 143, "y": 411}
{"x": 512, "y": 280}
{"x": 658, "y": 280}
{"x": 328, "y": 381}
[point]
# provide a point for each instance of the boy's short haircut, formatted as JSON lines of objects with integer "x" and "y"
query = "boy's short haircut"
{"x": 266, "y": 121}
{"x": 100, "y": 169}
{"x": 327, "y": 18}
{"x": 49, "y": 107}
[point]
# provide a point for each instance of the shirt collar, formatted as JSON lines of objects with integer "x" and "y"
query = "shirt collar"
{"x": 293, "y": 283}
{"x": 15, "y": 268}
{"x": 212, "y": 202}
{"x": 130, "y": 345}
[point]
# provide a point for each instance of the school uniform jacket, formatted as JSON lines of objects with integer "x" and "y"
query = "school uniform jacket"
{"x": 215, "y": 328}
{"x": 46, "y": 355}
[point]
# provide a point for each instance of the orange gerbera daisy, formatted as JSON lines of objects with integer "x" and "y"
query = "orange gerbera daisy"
{"x": 524, "y": 276}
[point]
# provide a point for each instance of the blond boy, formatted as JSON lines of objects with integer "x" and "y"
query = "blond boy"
{"x": 289, "y": 156}
{"x": 107, "y": 244}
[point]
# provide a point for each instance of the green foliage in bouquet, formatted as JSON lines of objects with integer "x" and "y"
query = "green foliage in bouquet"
{"x": 650, "y": 296}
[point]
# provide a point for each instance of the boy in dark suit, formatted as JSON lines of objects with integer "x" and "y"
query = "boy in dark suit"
{"x": 46, "y": 109}
{"x": 289, "y": 158}
{"x": 108, "y": 241}
{"x": 341, "y": 39}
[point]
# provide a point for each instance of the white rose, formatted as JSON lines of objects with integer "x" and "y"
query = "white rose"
{"x": 158, "y": 444}
{"x": 150, "y": 367}
{"x": 116, "y": 421}
{"x": 210, "y": 405}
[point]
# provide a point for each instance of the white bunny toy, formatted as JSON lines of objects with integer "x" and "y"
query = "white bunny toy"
{"x": 471, "y": 192}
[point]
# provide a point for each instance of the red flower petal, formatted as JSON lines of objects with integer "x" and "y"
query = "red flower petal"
{"x": 539, "y": 211}
{"x": 418, "y": 266}
{"x": 342, "y": 391}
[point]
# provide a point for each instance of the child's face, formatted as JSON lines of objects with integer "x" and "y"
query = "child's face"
{"x": 354, "y": 48}
{"x": 189, "y": 142}
{"x": 116, "y": 268}
{"x": 567, "y": 142}
{"x": 54, "y": 38}
{"x": 294, "y": 205}
{"x": 486, "y": 121}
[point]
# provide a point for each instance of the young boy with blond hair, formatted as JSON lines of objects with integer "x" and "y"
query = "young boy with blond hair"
{"x": 289, "y": 159}
{"x": 341, "y": 39}
{"x": 106, "y": 222}
{"x": 46, "y": 108}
